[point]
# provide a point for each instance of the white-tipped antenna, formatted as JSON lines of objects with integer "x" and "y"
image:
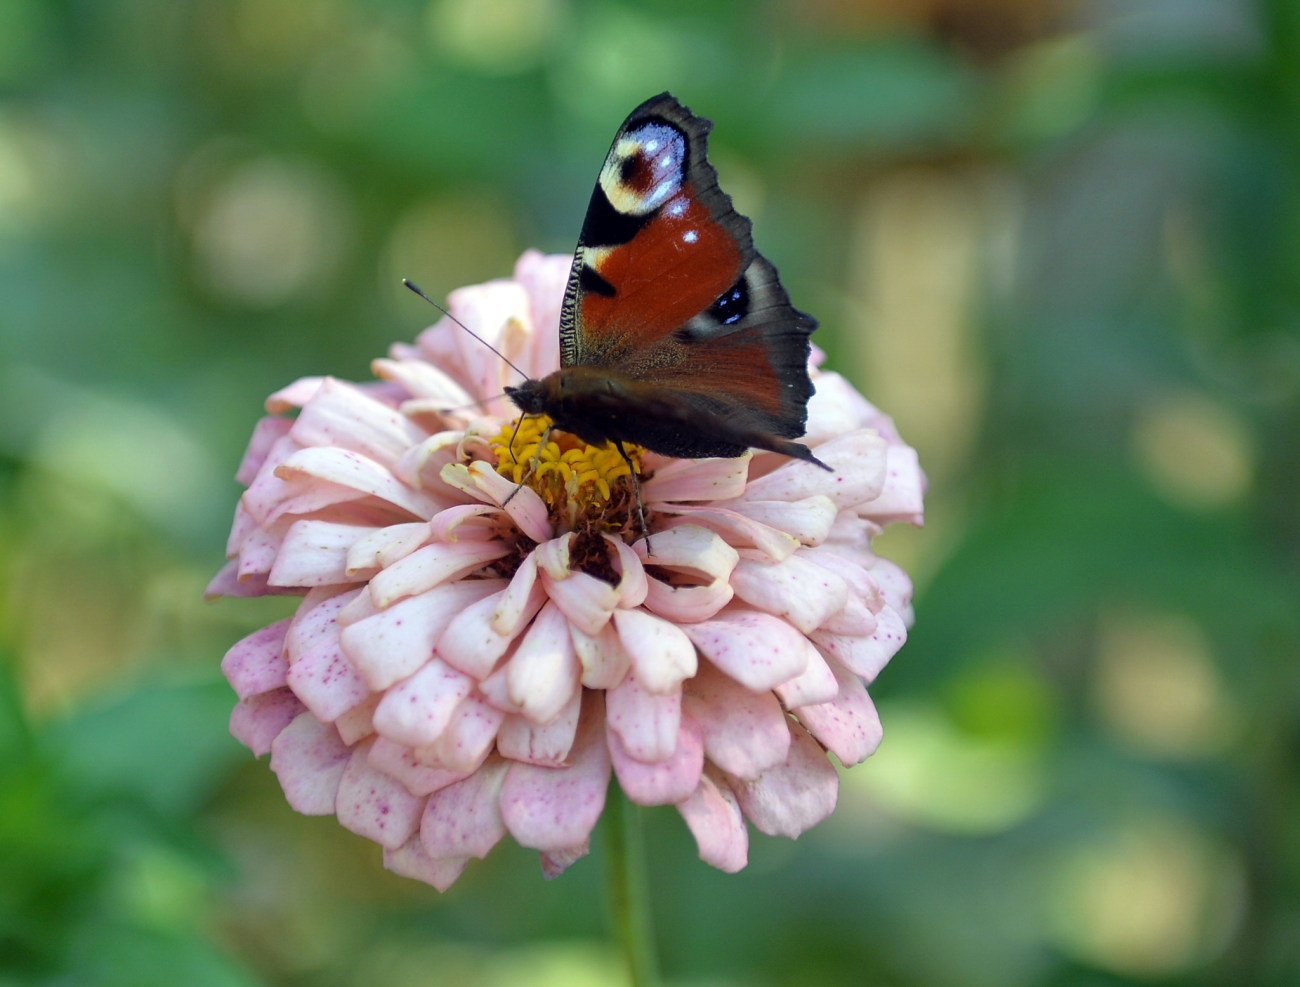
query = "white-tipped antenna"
{"x": 453, "y": 318}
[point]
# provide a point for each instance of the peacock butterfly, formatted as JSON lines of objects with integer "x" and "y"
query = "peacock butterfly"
{"x": 675, "y": 332}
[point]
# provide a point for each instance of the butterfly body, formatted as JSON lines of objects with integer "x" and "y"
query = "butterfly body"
{"x": 675, "y": 333}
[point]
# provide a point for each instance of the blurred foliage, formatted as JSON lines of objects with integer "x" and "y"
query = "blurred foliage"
{"x": 1060, "y": 241}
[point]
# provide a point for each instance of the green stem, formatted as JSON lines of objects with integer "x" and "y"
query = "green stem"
{"x": 629, "y": 904}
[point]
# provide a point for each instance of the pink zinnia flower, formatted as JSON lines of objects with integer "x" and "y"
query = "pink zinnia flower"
{"x": 461, "y": 667}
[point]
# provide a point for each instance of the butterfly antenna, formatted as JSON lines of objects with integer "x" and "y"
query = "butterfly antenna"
{"x": 505, "y": 359}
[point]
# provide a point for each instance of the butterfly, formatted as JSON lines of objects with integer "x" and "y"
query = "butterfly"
{"x": 675, "y": 333}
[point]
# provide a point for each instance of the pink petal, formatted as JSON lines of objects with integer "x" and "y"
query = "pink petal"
{"x": 411, "y": 860}
{"x": 398, "y": 761}
{"x": 464, "y": 819}
{"x": 647, "y": 724}
{"x": 523, "y": 598}
{"x": 309, "y": 758}
{"x": 696, "y": 479}
{"x": 713, "y": 816}
{"x": 519, "y": 739}
{"x": 804, "y": 594}
{"x": 432, "y": 566}
{"x": 396, "y": 642}
{"x": 902, "y": 497}
{"x": 663, "y": 782}
{"x": 326, "y": 681}
{"x": 662, "y": 655}
{"x": 858, "y": 461}
{"x": 354, "y": 474}
{"x": 808, "y": 520}
{"x": 471, "y": 522}
{"x": 525, "y": 507}
{"x": 846, "y": 725}
{"x": 256, "y": 722}
{"x": 373, "y": 805}
{"x": 266, "y": 433}
{"x": 256, "y": 663}
{"x": 471, "y": 643}
{"x": 756, "y": 649}
{"x": 632, "y": 585}
{"x": 357, "y": 723}
{"x": 296, "y": 395}
{"x": 603, "y": 660}
{"x": 587, "y": 601}
{"x": 416, "y": 710}
{"x": 422, "y": 465}
{"x": 422, "y": 380}
{"x": 543, "y": 674}
{"x": 556, "y": 862}
{"x": 795, "y": 795}
{"x": 815, "y": 684}
{"x": 343, "y": 416}
{"x": 469, "y": 736}
{"x": 737, "y": 529}
{"x": 315, "y": 553}
{"x": 553, "y": 809}
{"x": 384, "y": 546}
{"x": 745, "y": 732}
{"x": 706, "y": 563}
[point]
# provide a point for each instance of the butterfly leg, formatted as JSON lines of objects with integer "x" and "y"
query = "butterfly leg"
{"x": 636, "y": 493}
{"x": 532, "y": 467}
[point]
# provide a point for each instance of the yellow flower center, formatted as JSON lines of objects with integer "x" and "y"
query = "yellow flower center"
{"x": 583, "y": 486}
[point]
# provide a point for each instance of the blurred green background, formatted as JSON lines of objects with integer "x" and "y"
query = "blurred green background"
{"x": 1060, "y": 242}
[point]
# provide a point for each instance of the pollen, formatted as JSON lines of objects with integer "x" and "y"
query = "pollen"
{"x": 580, "y": 483}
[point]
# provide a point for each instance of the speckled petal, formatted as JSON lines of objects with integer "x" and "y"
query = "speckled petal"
{"x": 522, "y": 740}
{"x": 309, "y": 757}
{"x": 411, "y": 860}
{"x": 802, "y": 593}
{"x": 715, "y": 820}
{"x": 662, "y": 655}
{"x": 470, "y": 734}
{"x": 464, "y": 819}
{"x": 432, "y": 566}
{"x": 471, "y": 641}
{"x": 326, "y": 681}
{"x": 587, "y": 601}
{"x": 354, "y": 474}
{"x": 394, "y": 643}
{"x": 416, "y": 711}
{"x": 344, "y": 416}
{"x": 256, "y": 721}
{"x": 543, "y": 674}
{"x": 745, "y": 732}
{"x": 696, "y": 479}
{"x": 756, "y": 649}
{"x": 795, "y": 795}
{"x": 647, "y": 724}
{"x": 553, "y": 809}
{"x": 815, "y": 684}
{"x": 846, "y": 725}
{"x": 398, "y": 761}
{"x": 662, "y": 782}
{"x": 858, "y": 461}
{"x": 373, "y": 805}
{"x": 604, "y": 662}
{"x": 256, "y": 663}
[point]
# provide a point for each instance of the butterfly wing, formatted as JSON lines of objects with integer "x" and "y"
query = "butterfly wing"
{"x": 668, "y": 302}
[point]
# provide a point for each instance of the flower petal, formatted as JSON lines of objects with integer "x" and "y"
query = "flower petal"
{"x": 416, "y": 710}
{"x": 432, "y": 566}
{"x": 756, "y": 649}
{"x": 411, "y": 860}
{"x": 553, "y": 809}
{"x": 470, "y": 734}
{"x": 373, "y": 805}
{"x": 398, "y": 761}
{"x": 713, "y": 816}
{"x": 256, "y": 721}
{"x": 646, "y": 723}
{"x": 256, "y": 663}
{"x": 662, "y": 655}
{"x": 663, "y": 782}
{"x": 464, "y": 819}
{"x": 796, "y": 590}
{"x": 793, "y": 796}
{"x": 339, "y": 473}
{"x": 543, "y": 674}
{"x": 846, "y": 725}
{"x": 858, "y": 462}
{"x": 815, "y": 684}
{"x": 309, "y": 758}
{"x": 745, "y": 732}
{"x": 384, "y": 546}
{"x": 519, "y": 739}
{"x": 343, "y": 416}
{"x": 603, "y": 659}
{"x": 696, "y": 480}
{"x": 393, "y": 643}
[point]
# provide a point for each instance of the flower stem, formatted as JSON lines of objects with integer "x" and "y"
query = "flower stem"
{"x": 629, "y": 904}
